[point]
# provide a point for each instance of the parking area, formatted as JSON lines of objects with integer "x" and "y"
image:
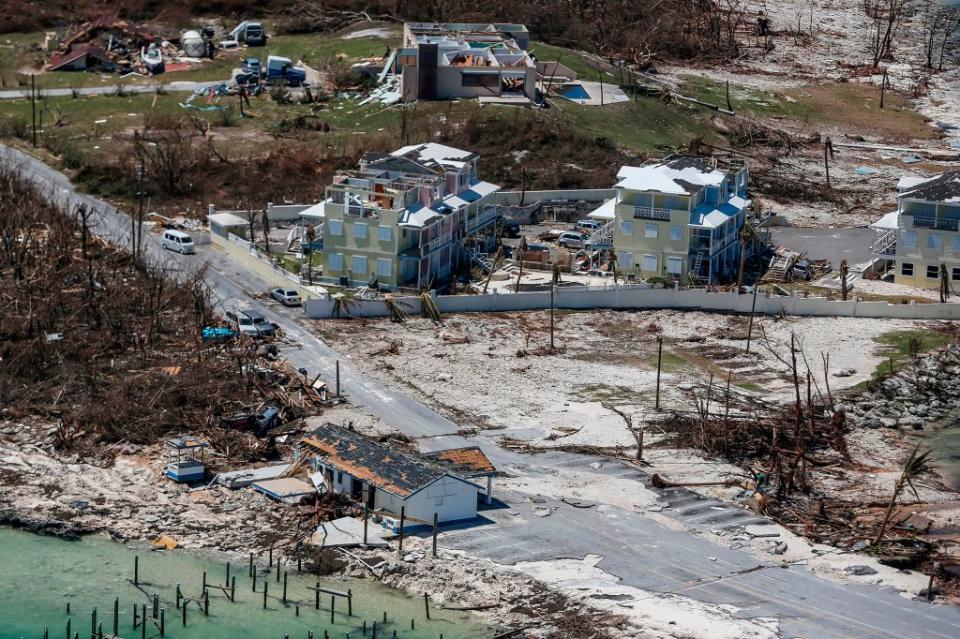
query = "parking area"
{"x": 852, "y": 244}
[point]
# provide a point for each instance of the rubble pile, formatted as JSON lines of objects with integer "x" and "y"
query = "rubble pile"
{"x": 926, "y": 391}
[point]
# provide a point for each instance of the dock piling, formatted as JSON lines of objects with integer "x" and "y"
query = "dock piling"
{"x": 266, "y": 585}
{"x": 179, "y": 596}
{"x": 250, "y": 567}
{"x": 136, "y": 570}
{"x": 284, "y": 587}
{"x": 333, "y": 605}
{"x": 68, "y": 627}
{"x": 116, "y": 616}
{"x": 426, "y": 605}
{"x": 227, "y": 582}
{"x": 183, "y": 615}
{"x": 233, "y": 589}
{"x": 206, "y": 603}
{"x": 143, "y": 621}
{"x": 162, "y": 624}
{"x": 316, "y": 597}
{"x": 93, "y": 624}
{"x": 349, "y": 603}
{"x": 254, "y": 578}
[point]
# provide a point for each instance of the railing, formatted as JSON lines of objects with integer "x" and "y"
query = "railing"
{"x": 436, "y": 243}
{"x": 645, "y": 213}
{"x": 935, "y": 223}
{"x": 482, "y": 219}
{"x": 885, "y": 243}
{"x": 603, "y": 236}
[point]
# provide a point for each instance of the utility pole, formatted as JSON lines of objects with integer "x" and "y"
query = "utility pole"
{"x": 600, "y": 73}
{"x": 138, "y": 228}
{"x": 827, "y": 155}
{"x": 33, "y": 108}
{"x": 753, "y": 307}
{"x": 659, "y": 360}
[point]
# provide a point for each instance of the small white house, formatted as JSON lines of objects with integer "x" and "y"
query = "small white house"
{"x": 385, "y": 479}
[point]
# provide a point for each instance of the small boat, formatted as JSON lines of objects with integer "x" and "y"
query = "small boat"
{"x": 152, "y": 59}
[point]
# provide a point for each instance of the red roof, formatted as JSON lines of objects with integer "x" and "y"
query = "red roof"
{"x": 62, "y": 59}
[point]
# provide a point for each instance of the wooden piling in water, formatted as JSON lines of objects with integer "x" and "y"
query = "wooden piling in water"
{"x": 143, "y": 621}
{"x": 68, "y": 627}
{"x": 270, "y": 559}
{"x": 233, "y": 589}
{"x": 100, "y": 630}
{"x": 266, "y": 585}
{"x": 93, "y": 624}
{"x": 384, "y": 617}
{"x": 162, "y": 623}
{"x": 278, "y": 570}
{"x": 426, "y": 605}
{"x": 135, "y": 617}
{"x": 206, "y": 603}
{"x": 227, "y": 582}
{"x": 254, "y": 578}
{"x": 136, "y": 570}
{"x": 435, "y": 521}
{"x": 333, "y": 605}
{"x": 183, "y": 615}
{"x": 403, "y": 515}
{"x": 204, "y": 581}
{"x": 284, "y": 587}
{"x": 299, "y": 564}
{"x": 250, "y": 567}
{"x": 68, "y": 609}
{"x": 316, "y": 596}
{"x": 116, "y": 616}
{"x": 156, "y": 606}
{"x": 349, "y": 603}
{"x": 374, "y": 633}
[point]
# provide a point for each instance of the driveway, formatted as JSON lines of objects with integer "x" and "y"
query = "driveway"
{"x": 853, "y": 244}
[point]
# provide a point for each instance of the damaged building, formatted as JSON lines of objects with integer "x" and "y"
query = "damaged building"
{"x": 465, "y": 60}
{"x": 104, "y": 43}
{"x": 406, "y": 218}
{"x": 384, "y": 479}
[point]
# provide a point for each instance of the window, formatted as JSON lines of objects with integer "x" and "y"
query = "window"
{"x": 384, "y": 233}
{"x": 650, "y": 230}
{"x": 955, "y": 274}
{"x": 479, "y": 80}
{"x": 910, "y": 239}
{"x": 626, "y": 228}
{"x": 339, "y": 477}
{"x": 934, "y": 241}
{"x": 955, "y": 245}
{"x": 335, "y": 261}
{"x": 358, "y": 265}
{"x": 674, "y": 265}
{"x": 933, "y": 271}
{"x": 624, "y": 260}
{"x": 360, "y": 230}
{"x": 335, "y": 227}
{"x": 643, "y": 200}
{"x": 676, "y": 233}
{"x": 649, "y": 263}
{"x": 384, "y": 267}
{"x": 675, "y": 202}
{"x": 906, "y": 269}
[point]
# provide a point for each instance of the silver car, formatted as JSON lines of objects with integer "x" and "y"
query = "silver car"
{"x": 572, "y": 239}
{"x": 286, "y": 296}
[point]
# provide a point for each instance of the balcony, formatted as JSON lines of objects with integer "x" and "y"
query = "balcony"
{"x": 436, "y": 243}
{"x": 482, "y": 219}
{"x": 644, "y": 213}
{"x": 935, "y": 223}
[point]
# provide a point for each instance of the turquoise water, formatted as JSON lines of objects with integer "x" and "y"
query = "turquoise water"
{"x": 41, "y": 575}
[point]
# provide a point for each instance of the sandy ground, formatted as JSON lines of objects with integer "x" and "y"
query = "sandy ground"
{"x": 484, "y": 370}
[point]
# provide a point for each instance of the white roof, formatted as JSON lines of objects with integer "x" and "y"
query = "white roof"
{"x": 606, "y": 211}
{"x": 433, "y": 152}
{"x": 455, "y": 202}
{"x": 662, "y": 178}
{"x": 484, "y": 188}
{"x": 227, "y": 219}
{"x": 419, "y": 218}
{"x": 317, "y": 210}
{"x": 888, "y": 221}
{"x": 910, "y": 181}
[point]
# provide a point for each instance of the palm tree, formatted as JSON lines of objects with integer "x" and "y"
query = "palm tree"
{"x": 310, "y": 234}
{"x": 917, "y": 464}
{"x": 747, "y": 234}
{"x": 612, "y": 263}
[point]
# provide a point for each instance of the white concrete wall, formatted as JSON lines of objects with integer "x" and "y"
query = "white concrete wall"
{"x": 275, "y": 275}
{"x": 641, "y": 297}
{"x": 512, "y": 198}
{"x": 451, "y": 499}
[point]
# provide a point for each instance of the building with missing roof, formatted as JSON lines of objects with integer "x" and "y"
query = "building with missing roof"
{"x": 386, "y": 480}
{"x": 920, "y": 241}
{"x": 408, "y": 218}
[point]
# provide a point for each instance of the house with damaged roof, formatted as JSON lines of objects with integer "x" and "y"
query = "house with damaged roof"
{"x": 678, "y": 218}
{"x": 411, "y": 218}
{"x": 920, "y": 241}
{"x": 386, "y": 480}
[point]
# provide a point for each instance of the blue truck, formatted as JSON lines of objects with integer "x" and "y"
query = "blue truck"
{"x": 280, "y": 70}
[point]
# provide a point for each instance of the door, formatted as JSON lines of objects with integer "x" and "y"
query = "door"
{"x": 356, "y": 488}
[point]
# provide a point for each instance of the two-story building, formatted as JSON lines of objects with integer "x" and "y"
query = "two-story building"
{"x": 922, "y": 234}
{"x": 403, "y": 218}
{"x": 443, "y": 61}
{"x": 677, "y": 218}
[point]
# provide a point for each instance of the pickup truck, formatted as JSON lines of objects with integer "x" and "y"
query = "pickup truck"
{"x": 280, "y": 70}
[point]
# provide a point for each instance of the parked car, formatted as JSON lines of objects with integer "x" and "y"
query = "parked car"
{"x": 572, "y": 239}
{"x": 251, "y": 66}
{"x": 250, "y": 323}
{"x": 511, "y": 229}
{"x": 286, "y": 296}
{"x": 178, "y": 241}
{"x": 588, "y": 225}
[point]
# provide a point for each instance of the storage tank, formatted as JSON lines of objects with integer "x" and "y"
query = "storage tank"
{"x": 192, "y": 44}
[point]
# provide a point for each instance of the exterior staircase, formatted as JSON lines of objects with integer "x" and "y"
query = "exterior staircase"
{"x": 480, "y": 260}
{"x": 602, "y": 238}
{"x": 885, "y": 243}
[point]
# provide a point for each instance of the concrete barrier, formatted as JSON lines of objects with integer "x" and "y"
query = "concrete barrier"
{"x": 642, "y": 297}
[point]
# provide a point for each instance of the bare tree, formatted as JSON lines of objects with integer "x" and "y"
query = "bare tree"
{"x": 884, "y": 17}
{"x": 917, "y": 464}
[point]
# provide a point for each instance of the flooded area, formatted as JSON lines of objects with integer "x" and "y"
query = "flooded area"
{"x": 46, "y": 575}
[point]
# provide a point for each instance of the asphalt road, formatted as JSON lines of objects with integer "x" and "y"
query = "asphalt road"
{"x": 640, "y": 551}
{"x": 852, "y": 244}
{"x": 181, "y": 86}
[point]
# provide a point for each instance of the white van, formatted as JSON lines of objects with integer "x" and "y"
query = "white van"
{"x": 178, "y": 241}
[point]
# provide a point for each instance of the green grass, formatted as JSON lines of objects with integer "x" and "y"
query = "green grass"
{"x": 669, "y": 362}
{"x": 900, "y": 346}
{"x": 849, "y": 105}
{"x": 645, "y": 126}
{"x": 585, "y": 67}
{"x": 608, "y": 393}
{"x": 750, "y": 386}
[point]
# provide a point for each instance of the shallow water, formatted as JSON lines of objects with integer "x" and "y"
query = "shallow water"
{"x": 41, "y": 575}
{"x": 945, "y": 442}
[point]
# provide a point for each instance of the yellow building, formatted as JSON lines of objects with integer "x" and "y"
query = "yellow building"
{"x": 922, "y": 235}
{"x": 403, "y": 219}
{"x": 679, "y": 218}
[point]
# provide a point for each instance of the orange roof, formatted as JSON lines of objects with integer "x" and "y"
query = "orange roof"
{"x": 466, "y": 461}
